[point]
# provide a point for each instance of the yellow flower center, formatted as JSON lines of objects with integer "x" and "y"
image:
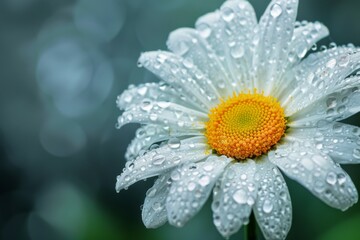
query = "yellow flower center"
{"x": 245, "y": 125}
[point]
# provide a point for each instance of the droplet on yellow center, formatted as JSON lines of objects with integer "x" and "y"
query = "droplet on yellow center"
{"x": 245, "y": 126}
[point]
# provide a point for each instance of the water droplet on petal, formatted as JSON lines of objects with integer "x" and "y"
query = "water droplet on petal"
{"x": 228, "y": 14}
{"x": 158, "y": 159}
{"x": 275, "y": 10}
{"x": 174, "y": 143}
{"x": 331, "y": 178}
{"x": 191, "y": 186}
{"x": 341, "y": 178}
{"x": 204, "y": 30}
{"x": 268, "y": 206}
{"x": 240, "y": 196}
{"x": 204, "y": 180}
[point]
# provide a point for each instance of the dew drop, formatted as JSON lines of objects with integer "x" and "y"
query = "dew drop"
{"x": 174, "y": 143}
{"x": 191, "y": 186}
{"x": 344, "y": 61}
{"x": 146, "y": 105}
{"x": 331, "y": 63}
{"x": 307, "y": 163}
{"x": 175, "y": 175}
{"x": 188, "y": 63}
{"x": 228, "y": 14}
{"x": 341, "y": 178}
{"x": 331, "y": 102}
{"x": 157, "y": 206}
{"x": 275, "y": 10}
{"x": 142, "y": 90}
{"x": 208, "y": 167}
{"x": 268, "y": 206}
{"x": 331, "y": 178}
{"x": 158, "y": 160}
{"x": 204, "y": 30}
{"x": 237, "y": 51}
{"x": 204, "y": 181}
{"x": 151, "y": 192}
{"x": 153, "y": 116}
{"x": 240, "y": 196}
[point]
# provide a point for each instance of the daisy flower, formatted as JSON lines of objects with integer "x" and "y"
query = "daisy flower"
{"x": 240, "y": 99}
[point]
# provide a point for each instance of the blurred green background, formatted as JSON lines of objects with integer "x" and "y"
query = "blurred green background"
{"x": 62, "y": 64}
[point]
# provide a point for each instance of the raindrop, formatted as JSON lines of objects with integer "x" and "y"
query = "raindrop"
{"x": 151, "y": 192}
{"x": 174, "y": 143}
{"x": 157, "y": 206}
{"x": 240, "y": 196}
{"x": 331, "y": 102}
{"x": 275, "y": 10}
{"x": 307, "y": 163}
{"x": 191, "y": 186}
{"x": 331, "y": 178}
{"x": 341, "y": 178}
{"x": 158, "y": 159}
{"x": 153, "y": 117}
{"x": 146, "y": 105}
{"x": 331, "y": 63}
{"x": 344, "y": 61}
{"x": 188, "y": 63}
{"x": 204, "y": 30}
{"x": 175, "y": 175}
{"x": 228, "y": 14}
{"x": 204, "y": 180}
{"x": 301, "y": 50}
{"x": 237, "y": 51}
{"x": 208, "y": 167}
{"x": 142, "y": 90}
{"x": 268, "y": 206}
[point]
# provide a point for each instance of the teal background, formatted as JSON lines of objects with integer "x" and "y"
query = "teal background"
{"x": 62, "y": 64}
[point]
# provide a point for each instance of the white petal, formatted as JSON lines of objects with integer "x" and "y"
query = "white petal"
{"x": 333, "y": 107}
{"x": 272, "y": 208}
{"x": 154, "y": 212}
{"x": 234, "y": 196}
{"x": 158, "y": 161}
{"x": 272, "y": 42}
{"x": 154, "y": 92}
{"x": 321, "y": 74}
{"x": 315, "y": 170}
{"x": 149, "y": 134}
{"x": 192, "y": 184}
{"x": 304, "y": 37}
{"x": 183, "y": 75}
{"x": 341, "y": 141}
{"x": 189, "y": 44}
{"x": 163, "y": 113}
{"x": 231, "y": 31}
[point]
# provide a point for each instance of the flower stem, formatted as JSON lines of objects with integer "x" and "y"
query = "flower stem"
{"x": 250, "y": 229}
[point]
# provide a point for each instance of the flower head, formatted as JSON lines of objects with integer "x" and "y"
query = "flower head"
{"x": 239, "y": 100}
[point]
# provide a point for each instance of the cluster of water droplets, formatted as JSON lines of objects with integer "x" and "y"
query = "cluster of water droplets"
{"x": 161, "y": 91}
{"x": 164, "y": 113}
{"x": 332, "y": 107}
{"x": 317, "y": 172}
{"x": 159, "y": 159}
{"x": 323, "y": 73}
{"x": 154, "y": 212}
{"x": 305, "y": 36}
{"x": 340, "y": 141}
{"x": 224, "y": 50}
{"x": 233, "y": 197}
{"x": 182, "y": 74}
{"x": 190, "y": 188}
{"x": 272, "y": 209}
{"x": 272, "y": 42}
